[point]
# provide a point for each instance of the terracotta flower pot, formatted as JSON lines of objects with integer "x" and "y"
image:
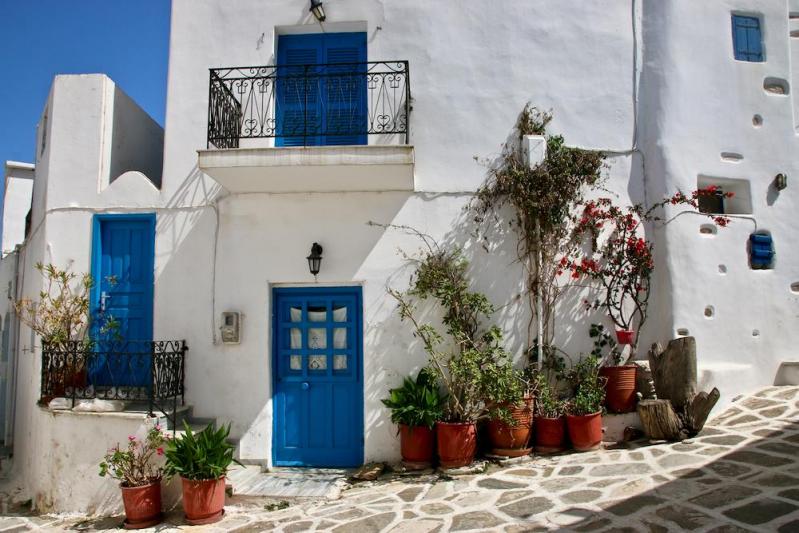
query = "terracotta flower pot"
{"x": 550, "y": 434}
{"x": 203, "y": 500}
{"x": 417, "y": 445}
{"x": 142, "y": 505}
{"x": 585, "y": 431}
{"x": 457, "y": 443}
{"x": 625, "y": 336}
{"x": 513, "y": 441}
{"x": 619, "y": 388}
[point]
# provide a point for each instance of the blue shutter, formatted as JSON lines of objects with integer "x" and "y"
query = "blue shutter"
{"x": 298, "y": 102}
{"x": 761, "y": 250}
{"x": 747, "y": 39}
{"x": 345, "y": 89}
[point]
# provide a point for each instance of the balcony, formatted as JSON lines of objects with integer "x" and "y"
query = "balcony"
{"x": 143, "y": 372}
{"x": 310, "y": 128}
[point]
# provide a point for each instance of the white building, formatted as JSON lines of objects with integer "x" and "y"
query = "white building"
{"x": 212, "y": 219}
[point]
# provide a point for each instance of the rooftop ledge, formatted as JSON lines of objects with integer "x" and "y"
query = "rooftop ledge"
{"x": 361, "y": 168}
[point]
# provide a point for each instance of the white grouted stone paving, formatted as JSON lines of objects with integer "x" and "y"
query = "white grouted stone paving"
{"x": 740, "y": 474}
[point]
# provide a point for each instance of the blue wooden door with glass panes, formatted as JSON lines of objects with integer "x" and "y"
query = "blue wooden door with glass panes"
{"x": 317, "y": 377}
{"x": 122, "y": 267}
{"x": 321, "y": 89}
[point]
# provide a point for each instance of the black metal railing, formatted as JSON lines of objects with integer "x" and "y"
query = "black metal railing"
{"x": 337, "y": 103}
{"x": 150, "y": 372}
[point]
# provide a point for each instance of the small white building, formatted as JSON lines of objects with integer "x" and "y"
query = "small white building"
{"x": 283, "y": 131}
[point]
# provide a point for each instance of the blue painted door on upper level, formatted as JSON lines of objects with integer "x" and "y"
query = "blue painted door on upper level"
{"x": 122, "y": 267}
{"x": 317, "y": 377}
{"x": 321, "y": 89}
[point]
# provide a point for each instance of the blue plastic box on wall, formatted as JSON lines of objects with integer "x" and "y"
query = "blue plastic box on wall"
{"x": 761, "y": 250}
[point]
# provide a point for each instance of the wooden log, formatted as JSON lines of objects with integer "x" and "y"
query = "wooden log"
{"x": 696, "y": 414}
{"x": 674, "y": 371}
{"x": 659, "y": 420}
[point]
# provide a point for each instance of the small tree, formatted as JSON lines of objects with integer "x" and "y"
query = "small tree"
{"x": 546, "y": 201}
{"x": 471, "y": 364}
{"x": 62, "y": 312}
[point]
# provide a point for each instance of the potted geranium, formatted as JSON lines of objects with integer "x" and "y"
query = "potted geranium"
{"x": 139, "y": 477}
{"x": 584, "y": 418}
{"x": 201, "y": 460}
{"x": 550, "y": 422}
{"x": 415, "y": 408}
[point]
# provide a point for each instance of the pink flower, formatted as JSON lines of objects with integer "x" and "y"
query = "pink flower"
{"x": 159, "y": 451}
{"x": 131, "y": 438}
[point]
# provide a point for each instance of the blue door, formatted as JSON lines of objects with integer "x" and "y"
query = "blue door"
{"x": 317, "y": 377}
{"x": 122, "y": 267}
{"x": 321, "y": 89}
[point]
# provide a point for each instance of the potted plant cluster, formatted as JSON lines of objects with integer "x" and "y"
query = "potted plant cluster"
{"x": 512, "y": 402}
{"x": 139, "y": 476}
{"x": 584, "y": 418}
{"x": 415, "y": 408}
{"x": 201, "y": 460}
{"x": 468, "y": 359}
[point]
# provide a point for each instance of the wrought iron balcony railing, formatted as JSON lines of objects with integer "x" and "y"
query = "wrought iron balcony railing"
{"x": 307, "y": 105}
{"x": 136, "y": 371}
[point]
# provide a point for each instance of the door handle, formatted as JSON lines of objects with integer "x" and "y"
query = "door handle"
{"x": 103, "y": 297}
{"x": 305, "y": 385}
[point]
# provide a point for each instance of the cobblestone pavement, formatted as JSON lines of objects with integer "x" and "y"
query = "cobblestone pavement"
{"x": 740, "y": 474}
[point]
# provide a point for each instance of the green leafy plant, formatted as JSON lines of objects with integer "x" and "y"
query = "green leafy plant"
{"x": 61, "y": 314}
{"x": 135, "y": 465}
{"x": 200, "y": 456}
{"x": 589, "y": 387}
{"x": 547, "y": 403}
{"x": 417, "y": 402}
{"x": 604, "y": 342}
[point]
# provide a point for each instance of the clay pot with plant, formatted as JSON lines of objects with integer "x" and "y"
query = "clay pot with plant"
{"x": 550, "y": 420}
{"x": 139, "y": 474}
{"x": 584, "y": 418}
{"x": 620, "y": 384}
{"x": 512, "y": 401}
{"x": 201, "y": 460}
{"x": 415, "y": 408}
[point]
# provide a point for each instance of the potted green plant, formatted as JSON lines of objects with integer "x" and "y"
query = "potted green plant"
{"x": 511, "y": 400}
{"x": 619, "y": 376}
{"x": 415, "y": 408}
{"x": 139, "y": 477}
{"x": 550, "y": 422}
{"x": 201, "y": 460}
{"x": 584, "y": 418}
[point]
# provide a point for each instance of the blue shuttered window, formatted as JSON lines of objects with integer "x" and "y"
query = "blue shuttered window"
{"x": 747, "y": 38}
{"x": 321, "y": 89}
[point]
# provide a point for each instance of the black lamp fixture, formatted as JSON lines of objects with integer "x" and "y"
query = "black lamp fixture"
{"x": 317, "y": 10}
{"x": 315, "y": 259}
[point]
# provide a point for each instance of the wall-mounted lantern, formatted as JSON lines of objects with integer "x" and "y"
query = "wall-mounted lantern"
{"x": 317, "y": 10}
{"x": 315, "y": 259}
{"x": 780, "y": 181}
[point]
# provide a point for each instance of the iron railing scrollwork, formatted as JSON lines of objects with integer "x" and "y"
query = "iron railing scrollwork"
{"x": 337, "y": 103}
{"x": 150, "y": 372}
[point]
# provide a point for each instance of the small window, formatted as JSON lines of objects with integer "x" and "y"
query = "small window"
{"x": 747, "y": 39}
{"x": 712, "y": 203}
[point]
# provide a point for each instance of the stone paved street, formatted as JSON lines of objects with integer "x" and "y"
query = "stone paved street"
{"x": 740, "y": 474}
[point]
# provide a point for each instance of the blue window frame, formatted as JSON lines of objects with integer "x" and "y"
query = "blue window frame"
{"x": 321, "y": 89}
{"x": 747, "y": 38}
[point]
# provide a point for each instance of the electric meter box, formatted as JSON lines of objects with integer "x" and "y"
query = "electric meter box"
{"x": 231, "y": 327}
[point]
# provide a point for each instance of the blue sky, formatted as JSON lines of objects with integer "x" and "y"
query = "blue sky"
{"x": 125, "y": 39}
